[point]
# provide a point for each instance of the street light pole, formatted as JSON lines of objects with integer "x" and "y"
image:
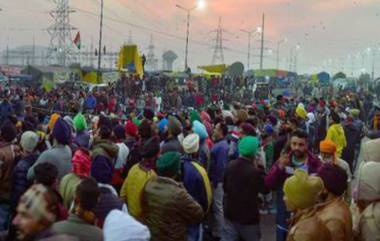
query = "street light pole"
{"x": 187, "y": 39}
{"x": 100, "y": 42}
{"x": 293, "y": 58}
{"x": 250, "y": 33}
{"x": 188, "y": 11}
{"x": 278, "y": 51}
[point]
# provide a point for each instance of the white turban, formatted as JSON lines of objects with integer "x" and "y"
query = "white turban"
{"x": 120, "y": 226}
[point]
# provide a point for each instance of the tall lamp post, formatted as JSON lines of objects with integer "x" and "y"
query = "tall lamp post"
{"x": 200, "y": 4}
{"x": 250, "y": 33}
{"x": 278, "y": 51}
{"x": 100, "y": 41}
{"x": 293, "y": 58}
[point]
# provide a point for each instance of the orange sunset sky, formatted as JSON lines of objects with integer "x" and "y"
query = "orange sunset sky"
{"x": 328, "y": 31}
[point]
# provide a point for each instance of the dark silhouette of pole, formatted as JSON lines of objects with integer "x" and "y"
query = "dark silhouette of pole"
{"x": 100, "y": 42}
{"x": 262, "y": 42}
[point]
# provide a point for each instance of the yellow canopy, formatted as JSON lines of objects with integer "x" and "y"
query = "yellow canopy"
{"x": 215, "y": 69}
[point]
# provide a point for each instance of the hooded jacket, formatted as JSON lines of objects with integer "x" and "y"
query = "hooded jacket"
{"x": 336, "y": 134}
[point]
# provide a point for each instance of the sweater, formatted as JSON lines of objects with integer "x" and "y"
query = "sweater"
{"x": 59, "y": 155}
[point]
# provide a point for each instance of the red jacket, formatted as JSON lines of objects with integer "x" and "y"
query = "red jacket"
{"x": 277, "y": 176}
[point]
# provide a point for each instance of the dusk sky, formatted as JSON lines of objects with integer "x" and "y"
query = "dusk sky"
{"x": 327, "y": 31}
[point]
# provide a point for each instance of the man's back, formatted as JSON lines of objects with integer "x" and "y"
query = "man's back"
{"x": 168, "y": 209}
{"x": 133, "y": 187}
{"x": 75, "y": 226}
{"x": 242, "y": 183}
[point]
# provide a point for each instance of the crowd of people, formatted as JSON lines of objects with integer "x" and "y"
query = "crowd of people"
{"x": 170, "y": 174}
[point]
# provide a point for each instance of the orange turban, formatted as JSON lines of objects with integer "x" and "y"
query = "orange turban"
{"x": 327, "y": 146}
{"x": 281, "y": 114}
{"x": 52, "y": 121}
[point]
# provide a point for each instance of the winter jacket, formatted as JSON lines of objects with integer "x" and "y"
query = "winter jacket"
{"x": 336, "y": 216}
{"x": 50, "y": 235}
{"x": 104, "y": 148}
{"x": 306, "y": 226}
{"x": 59, "y": 155}
{"x": 7, "y": 161}
{"x": 20, "y": 182}
{"x": 77, "y": 227}
{"x": 168, "y": 209}
{"x": 277, "y": 176}
{"x": 196, "y": 182}
{"x": 133, "y": 187}
{"x": 336, "y": 134}
{"x": 218, "y": 162}
{"x": 5, "y": 110}
{"x": 242, "y": 184}
{"x": 368, "y": 228}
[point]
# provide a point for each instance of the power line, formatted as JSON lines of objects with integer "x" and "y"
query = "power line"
{"x": 163, "y": 33}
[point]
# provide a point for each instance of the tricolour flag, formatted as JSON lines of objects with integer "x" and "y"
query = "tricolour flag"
{"x": 77, "y": 40}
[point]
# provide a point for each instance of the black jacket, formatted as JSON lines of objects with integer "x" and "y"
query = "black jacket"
{"x": 242, "y": 184}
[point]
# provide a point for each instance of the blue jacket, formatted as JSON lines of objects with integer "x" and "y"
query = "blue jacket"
{"x": 218, "y": 162}
{"x": 20, "y": 181}
{"x": 204, "y": 153}
{"x": 5, "y": 110}
{"x": 90, "y": 102}
{"x": 194, "y": 183}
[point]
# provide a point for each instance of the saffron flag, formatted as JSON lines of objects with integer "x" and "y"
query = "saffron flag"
{"x": 77, "y": 40}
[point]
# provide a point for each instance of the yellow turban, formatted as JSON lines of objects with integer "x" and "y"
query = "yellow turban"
{"x": 302, "y": 190}
{"x": 301, "y": 112}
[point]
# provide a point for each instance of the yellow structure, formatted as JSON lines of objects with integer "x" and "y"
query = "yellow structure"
{"x": 130, "y": 60}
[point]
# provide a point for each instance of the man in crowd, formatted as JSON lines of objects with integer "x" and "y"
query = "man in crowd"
{"x": 60, "y": 154}
{"x": 196, "y": 181}
{"x": 333, "y": 209}
{"x": 168, "y": 207}
{"x": 298, "y": 157}
{"x": 335, "y": 133}
{"x": 138, "y": 176}
{"x": 218, "y": 163}
{"x": 172, "y": 143}
{"x": 8, "y": 153}
{"x": 243, "y": 181}
{"x": 82, "y": 220}
{"x": 36, "y": 212}
{"x": 300, "y": 195}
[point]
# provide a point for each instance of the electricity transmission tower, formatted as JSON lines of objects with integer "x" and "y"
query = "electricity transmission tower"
{"x": 218, "y": 56}
{"x": 61, "y": 44}
{"x": 151, "y": 60}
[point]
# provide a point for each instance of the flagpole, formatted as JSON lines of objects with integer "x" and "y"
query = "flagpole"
{"x": 100, "y": 42}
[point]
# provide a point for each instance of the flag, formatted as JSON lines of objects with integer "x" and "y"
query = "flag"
{"x": 77, "y": 40}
